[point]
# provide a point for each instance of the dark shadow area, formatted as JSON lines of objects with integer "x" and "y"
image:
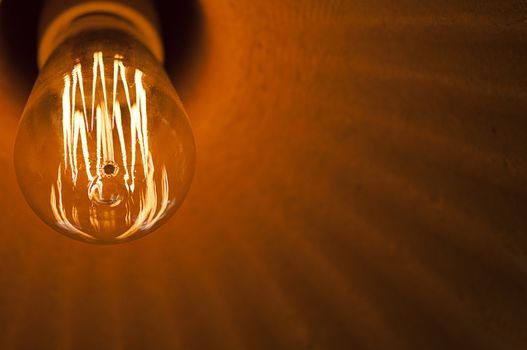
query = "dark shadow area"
{"x": 181, "y": 30}
{"x": 18, "y": 31}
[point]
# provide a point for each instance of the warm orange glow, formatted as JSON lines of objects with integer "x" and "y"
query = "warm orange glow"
{"x": 108, "y": 127}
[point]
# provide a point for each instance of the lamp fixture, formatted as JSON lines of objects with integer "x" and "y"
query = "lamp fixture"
{"x": 104, "y": 151}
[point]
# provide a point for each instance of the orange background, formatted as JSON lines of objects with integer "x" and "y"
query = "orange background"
{"x": 361, "y": 184}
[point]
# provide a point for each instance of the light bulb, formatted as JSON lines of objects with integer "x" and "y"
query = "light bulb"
{"x": 104, "y": 151}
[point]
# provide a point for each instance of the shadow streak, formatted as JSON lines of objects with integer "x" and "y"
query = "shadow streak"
{"x": 182, "y": 30}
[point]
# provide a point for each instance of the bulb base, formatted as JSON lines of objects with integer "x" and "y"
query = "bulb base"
{"x": 63, "y": 19}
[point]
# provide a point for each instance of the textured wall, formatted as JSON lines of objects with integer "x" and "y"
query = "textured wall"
{"x": 361, "y": 184}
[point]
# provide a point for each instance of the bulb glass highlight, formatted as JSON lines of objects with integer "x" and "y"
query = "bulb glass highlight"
{"x": 104, "y": 151}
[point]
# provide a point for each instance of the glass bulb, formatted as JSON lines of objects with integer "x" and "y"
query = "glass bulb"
{"x": 104, "y": 151}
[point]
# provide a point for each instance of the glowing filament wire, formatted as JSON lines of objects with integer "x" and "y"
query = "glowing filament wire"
{"x": 76, "y": 128}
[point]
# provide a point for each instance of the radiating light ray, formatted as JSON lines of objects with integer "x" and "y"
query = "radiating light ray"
{"x": 75, "y": 143}
{"x": 94, "y": 85}
{"x": 148, "y": 207}
{"x": 103, "y": 80}
{"x": 120, "y": 133}
{"x": 141, "y": 107}
{"x": 122, "y": 71}
{"x": 133, "y": 113}
{"x": 114, "y": 100}
{"x": 131, "y": 110}
{"x": 136, "y": 125}
{"x": 66, "y": 122}
{"x": 77, "y": 70}
{"x": 81, "y": 126}
{"x": 99, "y": 137}
{"x": 103, "y": 123}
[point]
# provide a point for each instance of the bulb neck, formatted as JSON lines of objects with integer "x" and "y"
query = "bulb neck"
{"x": 64, "y": 19}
